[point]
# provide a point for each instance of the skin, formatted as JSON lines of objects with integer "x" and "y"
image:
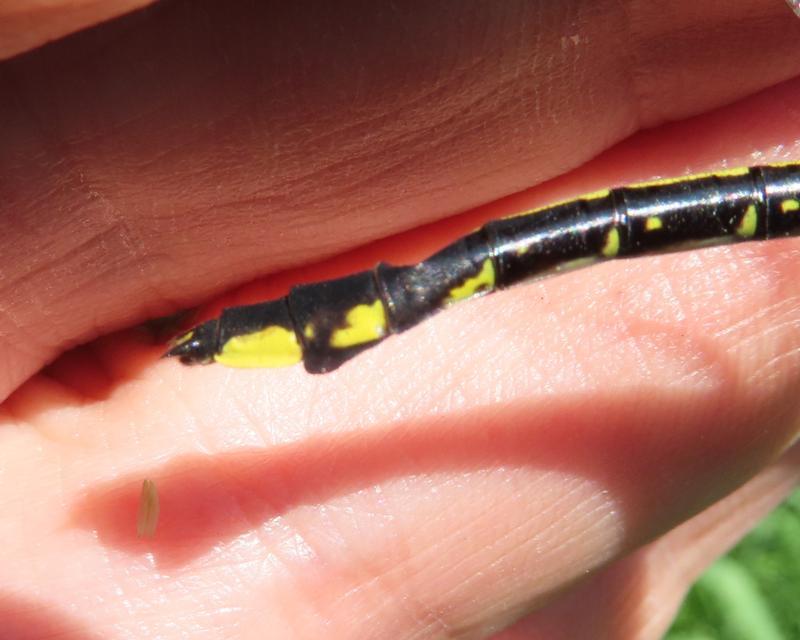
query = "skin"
{"x": 559, "y": 460}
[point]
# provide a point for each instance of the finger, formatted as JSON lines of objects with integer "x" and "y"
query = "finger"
{"x": 25, "y": 25}
{"x": 639, "y": 596}
{"x": 202, "y": 149}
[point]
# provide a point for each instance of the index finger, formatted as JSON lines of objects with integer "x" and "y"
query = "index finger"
{"x": 165, "y": 157}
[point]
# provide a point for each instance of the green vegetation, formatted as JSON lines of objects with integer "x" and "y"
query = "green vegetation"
{"x": 753, "y": 593}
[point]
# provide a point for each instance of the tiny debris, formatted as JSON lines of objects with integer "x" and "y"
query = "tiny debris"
{"x": 147, "y": 519}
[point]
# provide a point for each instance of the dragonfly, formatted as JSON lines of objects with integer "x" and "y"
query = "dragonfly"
{"x": 325, "y": 324}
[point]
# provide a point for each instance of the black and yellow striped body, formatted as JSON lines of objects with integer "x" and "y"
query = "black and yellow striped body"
{"x": 325, "y": 324}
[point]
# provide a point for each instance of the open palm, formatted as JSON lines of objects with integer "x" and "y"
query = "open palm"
{"x": 529, "y": 464}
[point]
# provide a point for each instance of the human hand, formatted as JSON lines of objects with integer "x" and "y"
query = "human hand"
{"x": 525, "y": 465}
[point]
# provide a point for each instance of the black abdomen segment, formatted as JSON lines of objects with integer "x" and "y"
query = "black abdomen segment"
{"x": 555, "y": 238}
{"x": 711, "y": 210}
{"x": 327, "y": 323}
{"x": 367, "y": 307}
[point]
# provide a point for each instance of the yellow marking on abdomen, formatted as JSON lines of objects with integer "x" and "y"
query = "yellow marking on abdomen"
{"x": 790, "y": 204}
{"x": 749, "y": 222}
{"x": 274, "y": 346}
{"x": 481, "y": 283}
{"x": 788, "y": 163}
{"x": 183, "y": 339}
{"x": 365, "y": 323}
{"x": 309, "y": 331}
{"x": 592, "y": 195}
{"x": 611, "y": 246}
{"x": 660, "y": 182}
{"x": 653, "y": 223}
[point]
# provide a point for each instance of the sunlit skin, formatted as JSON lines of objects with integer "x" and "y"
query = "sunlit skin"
{"x": 550, "y": 461}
